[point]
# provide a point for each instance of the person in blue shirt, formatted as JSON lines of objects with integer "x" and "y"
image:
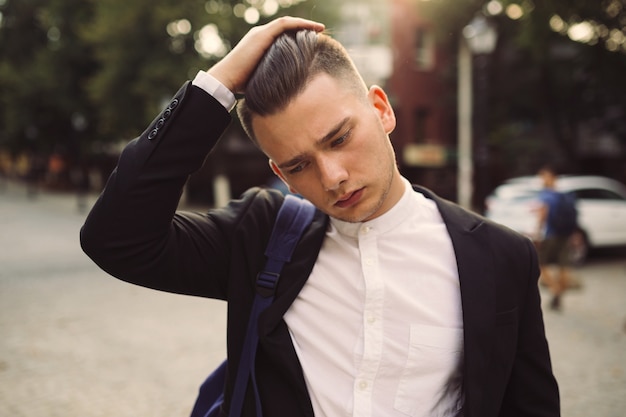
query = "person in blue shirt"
{"x": 553, "y": 247}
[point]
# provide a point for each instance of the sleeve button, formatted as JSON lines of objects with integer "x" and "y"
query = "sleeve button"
{"x": 152, "y": 134}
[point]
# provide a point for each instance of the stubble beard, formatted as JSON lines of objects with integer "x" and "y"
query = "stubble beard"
{"x": 386, "y": 189}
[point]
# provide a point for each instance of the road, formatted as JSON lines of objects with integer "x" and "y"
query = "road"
{"x": 76, "y": 342}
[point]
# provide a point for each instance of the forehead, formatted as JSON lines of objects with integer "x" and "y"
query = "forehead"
{"x": 322, "y": 104}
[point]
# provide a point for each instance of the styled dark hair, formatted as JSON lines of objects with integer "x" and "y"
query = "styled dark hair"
{"x": 287, "y": 67}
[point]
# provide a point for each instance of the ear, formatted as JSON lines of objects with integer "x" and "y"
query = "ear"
{"x": 379, "y": 100}
{"x": 280, "y": 175}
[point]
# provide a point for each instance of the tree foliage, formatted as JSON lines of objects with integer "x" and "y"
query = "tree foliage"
{"x": 137, "y": 66}
{"x": 78, "y": 72}
{"x": 43, "y": 71}
{"x": 557, "y": 74}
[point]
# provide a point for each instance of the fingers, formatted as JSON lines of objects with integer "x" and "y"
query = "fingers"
{"x": 234, "y": 70}
{"x": 286, "y": 23}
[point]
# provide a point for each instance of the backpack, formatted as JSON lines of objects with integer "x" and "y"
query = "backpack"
{"x": 563, "y": 216}
{"x": 294, "y": 216}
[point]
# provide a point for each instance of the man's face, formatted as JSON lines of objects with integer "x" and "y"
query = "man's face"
{"x": 332, "y": 147}
{"x": 548, "y": 178}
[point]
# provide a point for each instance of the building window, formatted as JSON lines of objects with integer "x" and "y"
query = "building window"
{"x": 421, "y": 118}
{"x": 424, "y": 49}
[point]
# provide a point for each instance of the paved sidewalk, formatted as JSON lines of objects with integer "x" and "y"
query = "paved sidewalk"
{"x": 78, "y": 343}
{"x": 588, "y": 340}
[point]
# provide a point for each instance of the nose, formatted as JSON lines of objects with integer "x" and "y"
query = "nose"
{"x": 332, "y": 172}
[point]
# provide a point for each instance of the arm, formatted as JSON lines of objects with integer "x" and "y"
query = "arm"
{"x": 133, "y": 232}
{"x": 542, "y": 218}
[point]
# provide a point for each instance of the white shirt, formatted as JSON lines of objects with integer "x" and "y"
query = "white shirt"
{"x": 378, "y": 326}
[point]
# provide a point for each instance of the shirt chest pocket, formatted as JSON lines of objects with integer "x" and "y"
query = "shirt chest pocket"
{"x": 430, "y": 384}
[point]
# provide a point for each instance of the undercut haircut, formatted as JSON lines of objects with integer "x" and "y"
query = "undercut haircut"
{"x": 287, "y": 67}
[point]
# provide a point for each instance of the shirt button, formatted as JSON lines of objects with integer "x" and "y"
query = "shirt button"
{"x": 371, "y": 319}
{"x": 369, "y": 262}
{"x": 362, "y": 385}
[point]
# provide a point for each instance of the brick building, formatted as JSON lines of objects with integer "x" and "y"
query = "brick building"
{"x": 420, "y": 89}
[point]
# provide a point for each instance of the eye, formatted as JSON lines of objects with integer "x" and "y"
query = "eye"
{"x": 297, "y": 168}
{"x": 340, "y": 140}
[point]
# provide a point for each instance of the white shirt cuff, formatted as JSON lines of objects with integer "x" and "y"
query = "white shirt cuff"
{"x": 212, "y": 86}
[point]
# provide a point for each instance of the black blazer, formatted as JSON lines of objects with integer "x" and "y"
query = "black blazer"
{"x": 134, "y": 233}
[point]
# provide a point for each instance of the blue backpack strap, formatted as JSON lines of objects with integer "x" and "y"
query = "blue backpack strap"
{"x": 294, "y": 216}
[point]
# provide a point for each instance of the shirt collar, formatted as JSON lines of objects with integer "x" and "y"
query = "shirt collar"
{"x": 400, "y": 212}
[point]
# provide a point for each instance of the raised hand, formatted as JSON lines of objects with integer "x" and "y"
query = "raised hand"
{"x": 235, "y": 69}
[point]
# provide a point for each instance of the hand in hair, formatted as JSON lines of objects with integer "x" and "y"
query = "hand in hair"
{"x": 235, "y": 68}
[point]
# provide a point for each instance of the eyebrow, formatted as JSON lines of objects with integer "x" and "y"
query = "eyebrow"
{"x": 329, "y": 136}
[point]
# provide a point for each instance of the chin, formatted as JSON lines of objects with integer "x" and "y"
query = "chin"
{"x": 355, "y": 216}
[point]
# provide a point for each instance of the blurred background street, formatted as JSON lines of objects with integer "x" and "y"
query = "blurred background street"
{"x": 76, "y": 342}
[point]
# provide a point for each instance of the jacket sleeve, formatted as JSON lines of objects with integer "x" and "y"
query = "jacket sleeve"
{"x": 134, "y": 233}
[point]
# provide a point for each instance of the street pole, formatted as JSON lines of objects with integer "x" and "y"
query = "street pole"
{"x": 465, "y": 172}
{"x": 478, "y": 37}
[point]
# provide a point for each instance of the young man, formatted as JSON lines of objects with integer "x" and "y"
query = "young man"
{"x": 395, "y": 303}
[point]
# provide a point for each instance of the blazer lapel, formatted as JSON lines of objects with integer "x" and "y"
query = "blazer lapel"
{"x": 476, "y": 276}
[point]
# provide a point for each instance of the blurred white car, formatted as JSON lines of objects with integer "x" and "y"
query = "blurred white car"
{"x": 601, "y": 204}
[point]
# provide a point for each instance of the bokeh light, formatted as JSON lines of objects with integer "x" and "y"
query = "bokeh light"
{"x": 581, "y": 32}
{"x": 514, "y": 11}
{"x": 494, "y": 8}
{"x": 209, "y": 43}
{"x": 252, "y": 15}
{"x": 179, "y": 27}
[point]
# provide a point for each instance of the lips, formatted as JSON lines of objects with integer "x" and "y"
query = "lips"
{"x": 349, "y": 199}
